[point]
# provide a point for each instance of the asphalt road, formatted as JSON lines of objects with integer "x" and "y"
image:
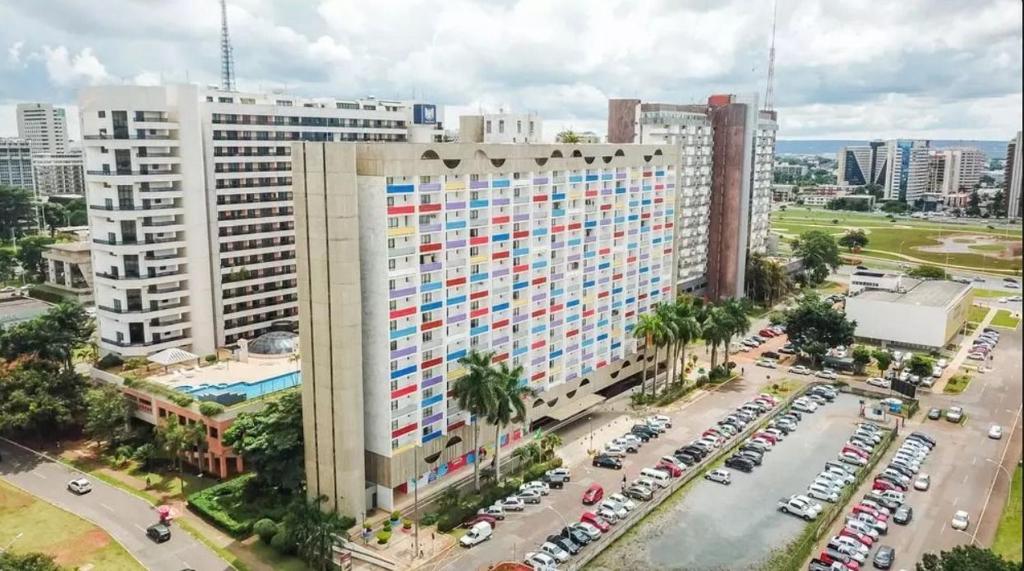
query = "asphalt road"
{"x": 119, "y": 513}
{"x": 969, "y": 471}
{"x": 737, "y": 526}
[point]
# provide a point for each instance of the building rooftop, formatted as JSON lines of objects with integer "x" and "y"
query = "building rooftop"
{"x": 226, "y": 372}
{"x": 936, "y": 293}
{"x": 80, "y": 246}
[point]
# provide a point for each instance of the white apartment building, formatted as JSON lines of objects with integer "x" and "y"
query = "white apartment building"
{"x": 59, "y": 173}
{"x": 689, "y": 127}
{"x": 763, "y": 178}
{"x": 191, "y": 207}
{"x": 906, "y": 170}
{"x": 44, "y": 126}
{"x": 16, "y": 164}
{"x": 501, "y": 127}
{"x": 953, "y": 171}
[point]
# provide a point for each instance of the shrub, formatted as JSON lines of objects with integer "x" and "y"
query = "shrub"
{"x": 282, "y": 542}
{"x": 210, "y": 408}
{"x": 383, "y": 537}
{"x": 429, "y": 519}
{"x": 181, "y": 400}
{"x": 211, "y": 359}
{"x": 135, "y": 363}
{"x": 387, "y": 525}
{"x": 396, "y": 515}
{"x": 406, "y": 523}
{"x": 109, "y": 361}
{"x": 265, "y": 528}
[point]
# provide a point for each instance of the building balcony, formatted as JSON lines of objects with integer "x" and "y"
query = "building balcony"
{"x": 143, "y": 312}
{"x": 142, "y": 349}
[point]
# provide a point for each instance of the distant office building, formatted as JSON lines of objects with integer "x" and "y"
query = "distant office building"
{"x": 59, "y": 173}
{"x": 822, "y": 195}
{"x": 1013, "y": 168}
{"x": 501, "y": 127}
{"x": 16, "y": 164}
{"x": 589, "y": 138}
{"x": 44, "y": 126}
{"x": 790, "y": 170}
{"x": 907, "y": 163}
{"x": 411, "y": 256}
{"x": 782, "y": 192}
{"x": 862, "y": 164}
{"x": 953, "y": 171}
{"x": 190, "y": 205}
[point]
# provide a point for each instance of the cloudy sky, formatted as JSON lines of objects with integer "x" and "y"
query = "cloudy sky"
{"x": 844, "y": 68}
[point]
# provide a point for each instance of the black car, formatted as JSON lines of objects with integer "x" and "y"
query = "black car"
{"x": 603, "y": 461}
{"x": 882, "y": 501}
{"x": 641, "y": 435}
{"x": 902, "y": 470}
{"x": 707, "y": 448}
{"x": 577, "y": 536}
{"x": 686, "y": 458}
{"x": 794, "y": 413}
{"x": 644, "y": 429}
{"x": 934, "y": 413}
{"x": 884, "y": 557}
{"x": 923, "y": 438}
{"x": 903, "y": 515}
{"x": 755, "y": 446}
{"x": 158, "y": 532}
{"x": 740, "y": 463}
{"x": 753, "y": 455}
{"x": 819, "y": 565}
{"x": 695, "y": 451}
{"x": 565, "y": 543}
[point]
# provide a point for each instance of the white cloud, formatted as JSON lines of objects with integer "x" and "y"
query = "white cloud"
{"x": 147, "y": 78}
{"x": 14, "y": 52}
{"x": 80, "y": 68}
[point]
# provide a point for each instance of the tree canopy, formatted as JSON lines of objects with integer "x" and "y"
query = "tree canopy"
{"x": 818, "y": 251}
{"x": 966, "y": 558}
{"x": 270, "y": 442}
{"x": 17, "y": 211}
{"x": 814, "y": 323}
{"x": 10, "y": 561}
{"x": 928, "y": 272}
{"x": 52, "y": 336}
{"x": 107, "y": 414}
{"x": 895, "y": 207}
{"x": 921, "y": 365}
{"x": 38, "y": 396}
{"x": 30, "y": 255}
{"x": 854, "y": 239}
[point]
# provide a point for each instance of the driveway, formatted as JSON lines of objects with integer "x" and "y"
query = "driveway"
{"x": 122, "y": 515}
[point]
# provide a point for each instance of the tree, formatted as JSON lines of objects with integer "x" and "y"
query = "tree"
{"x": 718, "y": 329}
{"x": 883, "y": 359}
{"x": 528, "y": 454}
{"x": 174, "y": 439}
{"x": 509, "y": 405}
{"x": 854, "y": 239}
{"x": 928, "y": 272}
{"x": 314, "y": 531}
{"x": 998, "y": 205}
{"x": 818, "y": 252}
{"x": 814, "y": 321}
{"x": 17, "y": 211}
{"x": 895, "y": 207}
{"x": 687, "y": 329}
{"x": 77, "y": 211}
{"x": 38, "y": 397}
{"x": 766, "y": 280}
{"x": 549, "y": 443}
{"x": 667, "y": 319}
{"x": 107, "y": 414}
{"x": 739, "y": 322}
{"x": 973, "y": 204}
{"x": 30, "y": 255}
{"x": 861, "y": 357}
{"x": 54, "y": 216}
{"x": 270, "y": 442}
{"x": 647, "y": 327}
{"x": 10, "y": 561}
{"x": 966, "y": 558}
{"x": 8, "y": 265}
{"x": 568, "y": 137}
{"x": 53, "y": 336}
{"x": 921, "y": 365}
{"x": 475, "y": 394}
{"x": 875, "y": 190}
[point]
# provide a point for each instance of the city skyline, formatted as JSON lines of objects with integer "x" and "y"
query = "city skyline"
{"x": 894, "y": 79}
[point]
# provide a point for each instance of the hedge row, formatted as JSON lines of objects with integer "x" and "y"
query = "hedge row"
{"x": 206, "y": 503}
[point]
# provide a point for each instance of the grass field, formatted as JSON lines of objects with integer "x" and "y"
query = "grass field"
{"x": 889, "y": 239}
{"x": 1004, "y": 318}
{"x": 72, "y": 541}
{"x": 1007, "y": 542}
{"x": 977, "y": 313}
{"x": 957, "y": 384}
{"x": 979, "y": 292}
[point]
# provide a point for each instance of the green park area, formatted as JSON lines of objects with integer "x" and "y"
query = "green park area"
{"x": 31, "y": 525}
{"x": 1004, "y": 318}
{"x": 973, "y": 245}
{"x": 1007, "y": 542}
{"x": 976, "y": 314}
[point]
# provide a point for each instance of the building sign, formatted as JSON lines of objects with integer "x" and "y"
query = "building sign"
{"x": 424, "y": 114}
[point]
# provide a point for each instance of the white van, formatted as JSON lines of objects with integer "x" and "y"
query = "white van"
{"x": 660, "y": 477}
{"x": 479, "y": 533}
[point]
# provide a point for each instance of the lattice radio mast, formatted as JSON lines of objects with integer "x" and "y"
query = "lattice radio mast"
{"x": 227, "y": 58}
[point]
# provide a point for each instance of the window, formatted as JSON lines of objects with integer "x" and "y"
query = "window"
{"x": 501, "y": 125}
{"x": 488, "y": 126}
{"x": 519, "y": 127}
{"x": 101, "y": 114}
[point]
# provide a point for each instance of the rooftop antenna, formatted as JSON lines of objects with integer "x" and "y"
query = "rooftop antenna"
{"x": 769, "y": 92}
{"x": 227, "y": 59}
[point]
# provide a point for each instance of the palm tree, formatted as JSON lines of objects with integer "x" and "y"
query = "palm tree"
{"x": 738, "y": 320}
{"x": 667, "y": 317}
{"x": 716, "y": 330}
{"x": 687, "y": 328}
{"x": 528, "y": 454}
{"x": 548, "y": 444}
{"x": 646, "y": 326}
{"x": 475, "y": 394}
{"x": 509, "y": 406}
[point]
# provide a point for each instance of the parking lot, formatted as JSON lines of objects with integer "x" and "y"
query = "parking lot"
{"x": 737, "y": 526}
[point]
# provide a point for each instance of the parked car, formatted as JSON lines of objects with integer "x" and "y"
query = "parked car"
{"x": 740, "y": 463}
{"x": 593, "y": 495}
{"x": 530, "y": 496}
{"x": 540, "y": 561}
{"x": 852, "y": 458}
{"x": 493, "y": 521}
{"x": 595, "y": 520}
{"x": 565, "y": 543}
{"x": 878, "y": 382}
{"x": 720, "y": 476}
{"x": 496, "y": 511}
{"x": 961, "y": 520}
{"x": 557, "y": 553}
{"x": 800, "y": 370}
{"x": 613, "y": 450}
{"x": 589, "y": 529}
{"x": 923, "y": 482}
{"x": 638, "y": 492}
{"x": 622, "y": 500}
{"x": 605, "y": 461}
{"x": 827, "y": 374}
{"x": 477, "y": 534}
{"x": 995, "y": 432}
{"x": 884, "y": 557}
{"x": 955, "y": 414}
{"x": 766, "y": 363}
{"x": 800, "y": 506}
{"x": 903, "y": 515}
{"x": 618, "y": 510}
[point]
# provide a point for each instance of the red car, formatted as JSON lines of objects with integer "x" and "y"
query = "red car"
{"x": 829, "y": 560}
{"x": 479, "y": 518}
{"x": 596, "y": 521}
{"x": 768, "y": 436}
{"x": 672, "y": 469}
{"x": 858, "y": 451}
{"x": 767, "y": 333}
{"x": 883, "y": 485}
{"x": 593, "y": 495}
{"x": 768, "y": 398}
{"x": 712, "y": 432}
{"x": 861, "y": 508}
{"x": 863, "y": 539}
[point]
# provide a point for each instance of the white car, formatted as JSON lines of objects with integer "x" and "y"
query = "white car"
{"x": 804, "y": 406}
{"x": 560, "y": 555}
{"x": 862, "y": 528}
{"x": 766, "y": 363}
{"x": 608, "y": 515}
{"x": 626, "y": 445}
{"x": 961, "y": 520}
{"x": 800, "y": 506}
{"x": 538, "y": 485}
{"x": 513, "y": 504}
{"x": 80, "y": 486}
{"x": 870, "y": 520}
{"x": 623, "y": 501}
{"x": 800, "y": 370}
{"x": 839, "y": 474}
{"x": 614, "y": 451}
{"x": 589, "y": 529}
{"x": 614, "y": 507}
{"x": 941, "y": 363}
{"x": 823, "y": 493}
{"x": 996, "y": 432}
{"x": 495, "y": 511}
{"x": 852, "y": 543}
{"x": 664, "y": 420}
{"x": 852, "y": 458}
{"x": 559, "y": 473}
{"x": 530, "y": 496}
{"x": 827, "y": 374}
{"x": 540, "y": 562}
{"x": 878, "y": 382}
{"x": 923, "y": 482}
{"x": 720, "y": 476}
{"x": 630, "y": 437}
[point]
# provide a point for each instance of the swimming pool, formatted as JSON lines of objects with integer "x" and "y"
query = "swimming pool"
{"x": 245, "y": 390}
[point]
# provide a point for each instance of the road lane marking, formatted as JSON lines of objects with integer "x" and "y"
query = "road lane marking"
{"x": 956, "y": 500}
{"x": 974, "y": 461}
{"x": 106, "y": 507}
{"x": 38, "y": 475}
{"x": 965, "y": 478}
{"x": 139, "y": 527}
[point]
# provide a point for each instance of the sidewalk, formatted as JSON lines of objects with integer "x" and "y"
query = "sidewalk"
{"x": 965, "y": 348}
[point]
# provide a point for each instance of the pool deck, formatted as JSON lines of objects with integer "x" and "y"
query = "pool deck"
{"x": 226, "y": 372}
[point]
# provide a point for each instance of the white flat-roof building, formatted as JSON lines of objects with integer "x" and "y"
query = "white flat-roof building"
{"x": 16, "y": 164}
{"x": 926, "y": 314}
{"x": 59, "y": 173}
{"x": 190, "y": 205}
{"x": 44, "y": 126}
{"x": 861, "y": 280}
{"x": 501, "y": 127}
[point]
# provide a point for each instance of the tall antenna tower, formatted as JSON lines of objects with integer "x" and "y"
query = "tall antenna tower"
{"x": 227, "y": 58}
{"x": 769, "y": 92}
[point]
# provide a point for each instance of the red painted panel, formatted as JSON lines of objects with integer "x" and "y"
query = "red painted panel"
{"x": 500, "y": 220}
{"x": 539, "y": 312}
{"x": 402, "y": 312}
{"x": 430, "y": 207}
{"x": 520, "y": 268}
{"x": 540, "y": 198}
{"x": 499, "y": 255}
{"x": 403, "y": 391}
{"x": 456, "y": 281}
{"x": 403, "y": 430}
{"x": 430, "y": 325}
{"x": 478, "y": 294}
{"x": 521, "y": 234}
{"x": 394, "y": 210}
{"x": 538, "y": 281}
{"x": 431, "y": 363}
{"x": 538, "y": 344}
{"x": 431, "y": 247}
{"x": 479, "y": 312}
{"x": 478, "y": 240}
{"x": 499, "y": 324}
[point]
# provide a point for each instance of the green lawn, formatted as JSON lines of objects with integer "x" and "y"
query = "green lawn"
{"x": 1004, "y": 318}
{"x": 977, "y": 313}
{"x": 1008, "y": 535}
{"x": 72, "y": 541}
{"x": 781, "y": 388}
{"x": 957, "y": 384}
{"x": 979, "y": 292}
